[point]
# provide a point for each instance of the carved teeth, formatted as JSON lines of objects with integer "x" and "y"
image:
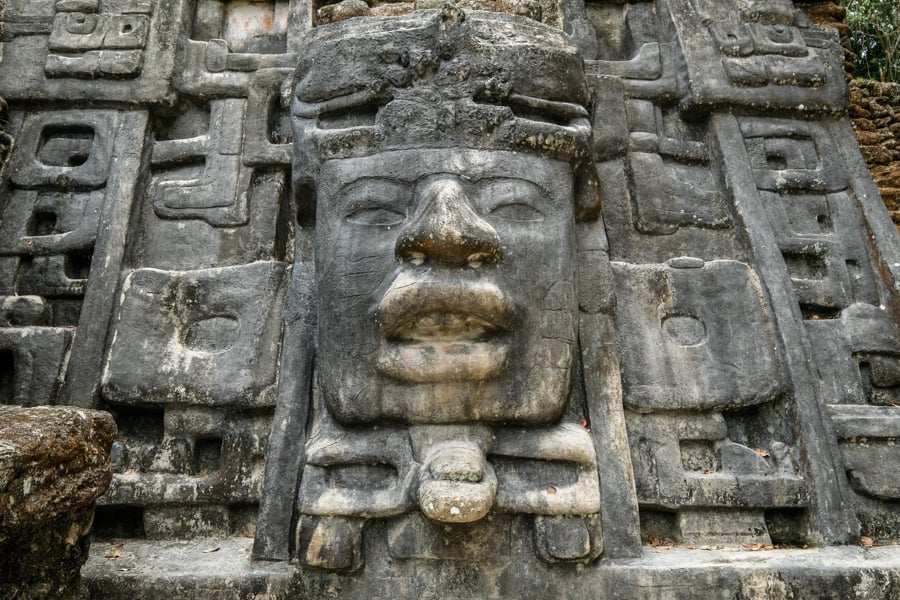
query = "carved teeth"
{"x": 436, "y": 326}
{"x": 417, "y": 258}
{"x": 476, "y": 259}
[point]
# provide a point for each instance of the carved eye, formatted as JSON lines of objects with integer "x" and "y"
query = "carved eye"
{"x": 517, "y": 211}
{"x": 512, "y": 200}
{"x": 378, "y": 216}
{"x": 375, "y": 201}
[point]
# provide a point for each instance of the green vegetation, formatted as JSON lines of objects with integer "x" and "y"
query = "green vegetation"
{"x": 876, "y": 38}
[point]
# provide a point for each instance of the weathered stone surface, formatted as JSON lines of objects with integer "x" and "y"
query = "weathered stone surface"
{"x": 6, "y": 141}
{"x": 216, "y": 567}
{"x": 875, "y": 110}
{"x": 54, "y": 463}
{"x": 459, "y": 299}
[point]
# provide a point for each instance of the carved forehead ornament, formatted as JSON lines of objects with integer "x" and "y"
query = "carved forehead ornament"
{"x": 442, "y": 79}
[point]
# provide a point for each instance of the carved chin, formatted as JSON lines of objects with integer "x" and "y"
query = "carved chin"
{"x": 442, "y": 361}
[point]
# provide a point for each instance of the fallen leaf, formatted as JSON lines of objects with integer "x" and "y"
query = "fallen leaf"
{"x": 550, "y": 490}
{"x": 692, "y": 547}
{"x": 761, "y": 452}
{"x": 208, "y": 550}
{"x": 867, "y": 541}
{"x": 116, "y": 553}
{"x": 123, "y": 569}
{"x": 769, "y": 548}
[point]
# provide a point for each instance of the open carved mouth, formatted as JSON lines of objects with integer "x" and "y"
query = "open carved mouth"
{"x": 445, "y": 326}
{"x": 424, "y": 309}
{"x": 438, "y": 331}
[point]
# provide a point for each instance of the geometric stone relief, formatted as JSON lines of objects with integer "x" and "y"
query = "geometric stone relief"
{"x": 756, "y": 54}
{"x": 189, "y": 457}
{"x": 267, "y": 132}
{"x": 50, "y": 222}
{"x": 816, "y": 216}
{"x": 669, "y": 195}
{"x": 695, "y": 345}
{"x": 230, "y": 41}
{"x": 57, "y": 48}
{"x": 258, "y": 27}
{"x": 718, "y": 490}
{"x": 864, "y": 393}
{"x": 218, "y": 192}
{"x": 695, "y": 336}
{"x": 193, "y": 332}
{"x": 438, "y": 293}
{"x": 31, "y": 359}
{"x": 812, "y": 212}
{"x": 183, "y": 470}
{"x": 88, "y": 44}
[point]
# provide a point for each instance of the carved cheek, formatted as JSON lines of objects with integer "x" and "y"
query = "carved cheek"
{"x": 539, "y": 253}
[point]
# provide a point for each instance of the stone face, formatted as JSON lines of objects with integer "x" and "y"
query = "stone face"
{"x": 54, "y": 464}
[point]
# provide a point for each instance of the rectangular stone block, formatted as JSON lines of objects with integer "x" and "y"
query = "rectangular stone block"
{"x": 735, "y": 57}
{"x": 128, "y": 47}
{"x": 695, "y": 335}
{"x": 198, "y": 337}
{"x": 186, "y": 522}
{"x": 723, "y": 527}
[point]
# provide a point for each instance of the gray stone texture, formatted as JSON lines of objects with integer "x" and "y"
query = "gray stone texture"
{"x": 218, "y": 568}
{"x": 488, "y": 298}
{"x": 54, "y": 464}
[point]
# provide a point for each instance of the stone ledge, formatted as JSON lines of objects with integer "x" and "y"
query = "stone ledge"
{"x": 221, "y": 568}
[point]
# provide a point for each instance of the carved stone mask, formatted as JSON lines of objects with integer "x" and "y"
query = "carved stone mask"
{"x": 445, "y": 286}
{"x": 445, "y": 176}
{"x": 438, "y": 176}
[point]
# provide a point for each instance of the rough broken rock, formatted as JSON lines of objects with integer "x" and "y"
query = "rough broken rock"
{"x": 54, "y": 463}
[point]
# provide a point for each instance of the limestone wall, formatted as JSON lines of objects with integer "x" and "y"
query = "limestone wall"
{"x": 875, "y": 111}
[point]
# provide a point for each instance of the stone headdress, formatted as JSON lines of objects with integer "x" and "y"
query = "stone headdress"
{"x": 441, "y": 79}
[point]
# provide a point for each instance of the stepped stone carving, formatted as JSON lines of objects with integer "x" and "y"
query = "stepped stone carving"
{"x": 455, "y": 299}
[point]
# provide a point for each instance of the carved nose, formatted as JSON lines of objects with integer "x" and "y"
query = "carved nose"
{"x": 447, "y": 230}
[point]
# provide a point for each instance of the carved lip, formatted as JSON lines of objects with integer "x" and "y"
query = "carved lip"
{"x": 437, "y": 331}
{"x": 414, "y": 310}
